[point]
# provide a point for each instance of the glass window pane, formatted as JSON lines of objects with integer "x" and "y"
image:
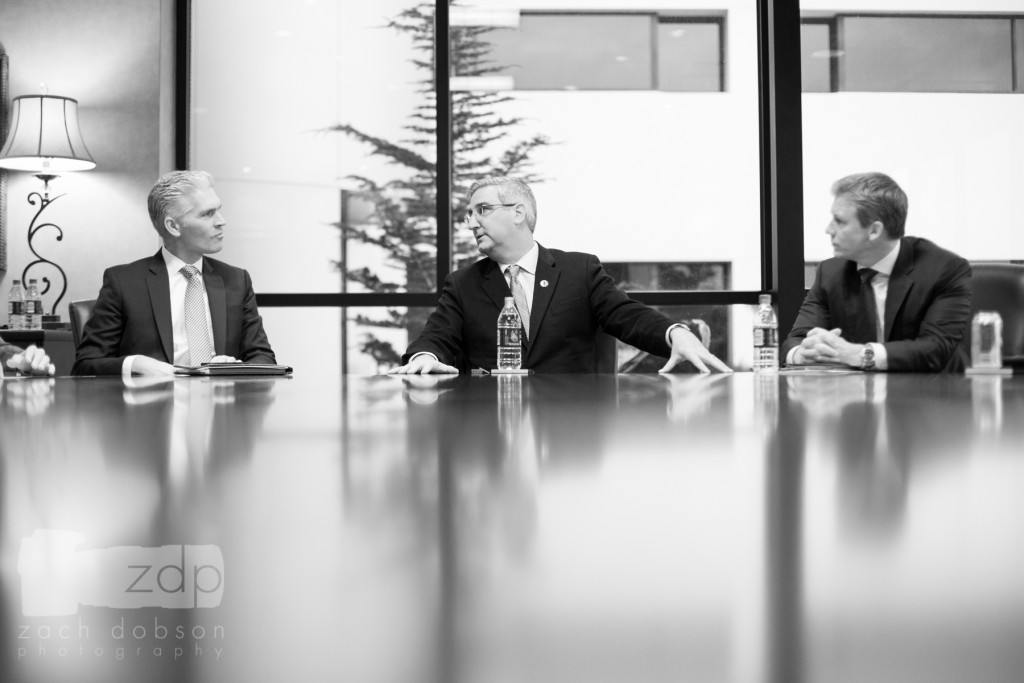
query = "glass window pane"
{"x": 632, "y": 175}
{"x": 576, "y": 52}
{"x": 925, "y": 54}
{"x": 1018, "y": 55}
{"x": 290, "y": 110}
{"x": 956, "y": 154}
{"x": 689, "y": 58}
{"x": 816, "y": 57}
{"x": 331, "y": 341}
{"x": 728, "y": 327}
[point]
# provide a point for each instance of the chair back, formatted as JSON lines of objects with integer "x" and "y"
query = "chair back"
{"x": 1000, "y": 287}
{"x": 79, "y": 312}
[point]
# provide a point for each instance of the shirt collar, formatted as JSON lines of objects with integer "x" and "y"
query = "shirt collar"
{"x": 175, "y": 264}
{"x": 887, "y": 262}
{"x": 528, "y": 262}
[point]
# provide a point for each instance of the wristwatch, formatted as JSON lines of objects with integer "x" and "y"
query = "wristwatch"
{"x": 867, "y": 358}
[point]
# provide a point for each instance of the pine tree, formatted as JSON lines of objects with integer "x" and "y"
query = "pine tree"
{"x": 405, "y": 210}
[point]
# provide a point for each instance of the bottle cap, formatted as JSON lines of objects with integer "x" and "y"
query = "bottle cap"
{"x": 764, "y": 298}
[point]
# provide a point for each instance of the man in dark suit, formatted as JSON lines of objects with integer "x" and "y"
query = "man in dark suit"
{"x": 885, "y": 301}
{"x": 30, "y": 361}
{"x": 178, "y": 307}
{"x": 568, "y": 298}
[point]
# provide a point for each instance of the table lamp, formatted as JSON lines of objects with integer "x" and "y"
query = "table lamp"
{"x": 45, "y": 139}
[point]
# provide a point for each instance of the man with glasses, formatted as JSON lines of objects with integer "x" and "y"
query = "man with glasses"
{"x": 565, "y": 299}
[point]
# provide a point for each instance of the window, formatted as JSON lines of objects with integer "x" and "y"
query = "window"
{"x": 816, "y": 55}
{"x": 901, "y": 53}
{"x": 929, "y": 100}
{"x": 612, "y": 51}
{"x": 653, "y": 276}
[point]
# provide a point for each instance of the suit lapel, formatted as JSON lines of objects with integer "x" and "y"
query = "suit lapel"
{"x": 218, "y": 305}
{"x": 160, "y": 301}
{"x": 548, "y": 273}
{"x": 851, "y": 283}
{"x": 900, "y": 284}
{"x": 494, "y": 284}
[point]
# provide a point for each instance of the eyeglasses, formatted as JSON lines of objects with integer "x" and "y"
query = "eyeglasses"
{"x": 482, "y": 210}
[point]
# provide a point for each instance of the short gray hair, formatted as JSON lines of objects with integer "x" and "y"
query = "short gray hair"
{"x": 166, "y": 197}
{"x": 511, "y": 190}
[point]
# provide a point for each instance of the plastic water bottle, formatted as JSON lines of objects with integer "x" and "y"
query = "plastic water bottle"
{"x": 33, "y": 306}
{"x": 766, "y": 336}
{"x": 510, "y": 337}
{"x": 16, "y": 306}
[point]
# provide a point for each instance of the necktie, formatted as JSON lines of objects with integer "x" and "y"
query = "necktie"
{"x": 519, "y": 294}
{"x": 200, "y": 346}
{"x": 866, "y": 328}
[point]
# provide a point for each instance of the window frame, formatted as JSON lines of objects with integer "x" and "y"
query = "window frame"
{"x": 780, "y": 161}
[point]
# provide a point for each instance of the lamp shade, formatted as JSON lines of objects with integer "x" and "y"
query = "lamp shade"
{"x": 45, "y": 136}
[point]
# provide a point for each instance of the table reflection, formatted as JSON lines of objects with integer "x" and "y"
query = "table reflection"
{"x": 734, "y": 528}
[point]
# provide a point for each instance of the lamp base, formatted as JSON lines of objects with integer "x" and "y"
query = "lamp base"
{"x": 52, "y": 322}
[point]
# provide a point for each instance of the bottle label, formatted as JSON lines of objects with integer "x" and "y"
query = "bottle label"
{"x": 509, "y": 336}
{"x": 766, "y": 336}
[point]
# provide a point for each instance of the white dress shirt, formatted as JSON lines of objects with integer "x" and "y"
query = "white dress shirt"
{"x": 177, "y": 283}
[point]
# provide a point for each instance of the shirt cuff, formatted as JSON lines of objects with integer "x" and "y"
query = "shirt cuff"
{"x": 126, "y": 366}
{"x": 668, "y": 332}
{"x": 881, "y": 357}
{"x": 791, "y": 356}
{"x": 423, "y": 353}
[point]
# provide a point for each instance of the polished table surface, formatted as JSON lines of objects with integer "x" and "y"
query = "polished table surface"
{"x": 640, "y": 528}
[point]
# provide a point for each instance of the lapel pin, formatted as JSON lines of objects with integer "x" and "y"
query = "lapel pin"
{"x": 543, "y": 283}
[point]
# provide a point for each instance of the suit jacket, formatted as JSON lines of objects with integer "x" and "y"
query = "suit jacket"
{"x": 132, "y": 316}
{"x": 927, "y": 308}
{"x": 573, "y": 299}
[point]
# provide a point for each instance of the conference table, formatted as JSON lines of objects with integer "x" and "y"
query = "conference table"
{"x": 807, "y": 526}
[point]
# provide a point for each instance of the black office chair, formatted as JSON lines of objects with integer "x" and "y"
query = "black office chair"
{"x": 79, "y": 312}
{"x": 1000, "y": 287}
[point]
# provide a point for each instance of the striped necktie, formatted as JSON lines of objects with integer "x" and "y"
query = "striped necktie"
{"x": 200, "y": 346}
{"x": 519, "y": 294}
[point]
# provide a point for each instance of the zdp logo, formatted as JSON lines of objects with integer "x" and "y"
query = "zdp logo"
{"x": 56, "y": 578}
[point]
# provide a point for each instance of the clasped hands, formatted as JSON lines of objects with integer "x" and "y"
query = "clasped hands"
{"x": 822, "y": 346}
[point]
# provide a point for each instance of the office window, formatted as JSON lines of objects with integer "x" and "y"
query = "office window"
{"x": 653, "y": 276}
{"x": 690, "y": 55}
{"x": 926, "y": 54}
{"x": 918, "y": 103}
{"x": 817, "y": 56}
{"x": 610, "y": 51}
{"x": 642, "y": 164}
{"x": 1018, "y": 55}
{"x": 901, "y": 53}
